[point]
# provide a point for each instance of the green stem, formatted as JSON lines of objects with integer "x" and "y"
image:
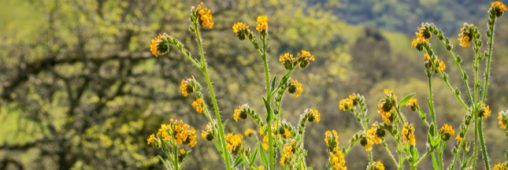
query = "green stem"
{"x": 489, "y": 59}
{"x": 390, "y": 153}
{"x": 475, "y": 149}
{"x": 271, "y": 151}
{"x": 175, "y": 154}
{"x": 204, "y": 68}
{"x": 484, "y": 147}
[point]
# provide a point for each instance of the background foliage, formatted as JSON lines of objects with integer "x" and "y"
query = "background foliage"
{"x": 80, "y": 89}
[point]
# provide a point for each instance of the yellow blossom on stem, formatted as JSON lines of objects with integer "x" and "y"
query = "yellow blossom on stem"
{"x": 241, "y": 30}
{"x": 314, "y": 115}
{"x": 305, "y": 57}
{"x": 484, "y": 111}
{"x": 207, "y": 132}
{"x": 413, "y": 104}
{"x": 205, "y": 16}
{"x": 442, "y": 66}
{"x": 151, "y": 139}
{"x": 295, "y": 88}
{"x": 288, "y": 60}
{"x": 198, "y": 105}
{"x": 378, "y": 165}
{"x": 375, "y": 134}
{"x": 346, "y": 104}
{"x": 500, "y": 166}
{"x": 158, "y": 45}
{"x": 262, "y": 26}
{"x": 248, "y": 132}
{"x": 502, "y": 118}
{"x": 331, "y": 139}
{"x": 466, "y": 35}
{"x": 234, "y": 142}
{"x": 497, "y": 8}
{"x": 337, "y": 160}
{"x": 458, "y": 138}
{"x": 240, "y": 112}
{"x": 446, "y": 132}
{"x": 408, "y": 134}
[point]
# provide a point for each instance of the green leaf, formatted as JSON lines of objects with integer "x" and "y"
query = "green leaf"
{"x": 238, "y": 161}
{"x": 406, "y": 99}
{"x": 252, "y": 156}
{"x": 262, "y": 154}
{"x": 268, "y": 109}
{"x": 273, "y": 83}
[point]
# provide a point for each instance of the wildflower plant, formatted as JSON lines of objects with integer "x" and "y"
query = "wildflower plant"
{"x": 278, "y": 144}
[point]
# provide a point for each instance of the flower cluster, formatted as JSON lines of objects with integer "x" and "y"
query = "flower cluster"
{"x": 446, "y": 132}
{"x": 413, "y": 104}
{"x": 312, "y": 115}
{"x": 289, "y": 151}
{"x": 331, "y": 140}
{"x": 422, "y": 36}
{"x": 295, "y": 88}
{"x": 500, "y": 166}
{"x": 376, "y": 133}
{"x": 207, "y": 133}
{"x": 502, "y": 119}
{"x": 241, "y": 30}
{"x": 205, "y": 16}
{"x": 466, "y": 35}
{"x": 262, "y": 26}
{"x": 189, "y": 86}
{"x": 497, "y": 8}
{"x": 484, "y": 111}
{"x": 159, "y": 45}
{"x": 240, "y": 112}
{"x": 303, "y": 58}
{"x": 408, "y": 134}
{"x": 198, "y": 105}
{"x": 386, "y": 107}
{"x": 234, "y": 142}
{"x": 337, "y": 160}
{"x": 348, "y": 103}
{"x": 176, "y": 131}
{"x": 378, "y": 165}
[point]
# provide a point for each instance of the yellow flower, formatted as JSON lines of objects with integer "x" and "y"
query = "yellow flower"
{"x": 265, "y": 143}
{"x": 305, "y": 57}
{"x": 442, "y": 66}
{"x": 426, "y": 57}
{"x": 408, "y": 134}
{"x": 378, "y": 165}
{"x": 287, "y": 60}
{"x": 295, "y": 88}
{"x": 413, "y": 104}
{"x": 446, "y": 132}
{"x": 497, "y": 8}
{"x": 337, "y": 160}
{"x": 163, "y": 132}
{"x": 183, "y": 133}
{"x": 248, "y": 132}
{"x": 314, "y": 115}
{"x": 241, "y": 30}
{"x": 502, "y": 118}
{"x": 366, "y": 143}
{"x": 158, "y": 46}
{"x": 484, "y": 111}
{"x": 466, "y": 35}
{"x": 207, "y": 133}
{"x": 240, "y": 112}
{"x": 198, "y": 105}
{"x": 500, "y": 166}
{"x": 234, "y": 142}
{"x": 183, "y": 88}
{"x": 205, "y": 16}
{"x": 422, "y": 37}
{"x": 458, "y": 138}
{"x": 188, "y": 86}
{"x": 262, "y": 26}
{"x": 260, "y": 167}
{"x": 151, "y": 139}
{"x": 386, "y": 106}
{"x": 289, "y": 150}
{"x": 240, "y": 26}
{"x": 375, "y": 134}
{"x": 346, "y": 104}
{"x": 331, "y": 139}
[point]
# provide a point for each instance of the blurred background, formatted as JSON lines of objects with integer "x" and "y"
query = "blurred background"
{"x": 80, "y": 90}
